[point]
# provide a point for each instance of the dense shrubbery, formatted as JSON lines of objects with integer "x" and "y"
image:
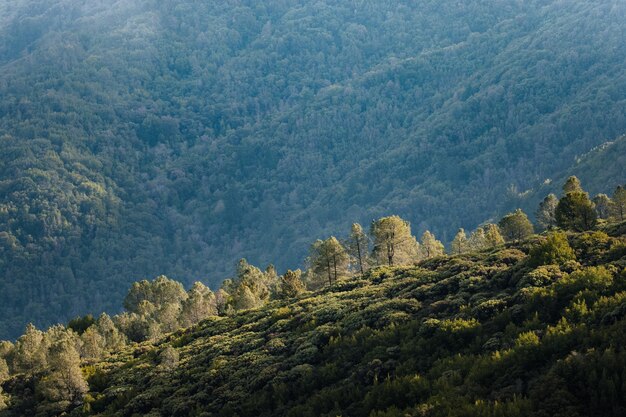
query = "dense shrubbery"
{"x": 488, "y": 330}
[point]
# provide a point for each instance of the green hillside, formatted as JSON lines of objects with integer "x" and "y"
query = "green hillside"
{"x": 163, "y": 137}
{"x": 535, "y": 328}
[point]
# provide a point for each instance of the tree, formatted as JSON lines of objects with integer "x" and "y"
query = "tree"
{"x": 555, "y": 250}
{"x": 4, "y": 375}
{"x": 516, "y": 226}
{"x": 619, "y": 204}
{"x": 572, "y": 185}
{"x": 159, "y": 292}
{"x": 65, "y": 384}
{"x": 477, "y": 240}
{"x": 460, "y": 243}
{"x": 30, "y": 351}
{"x": 169, "y": 358}
{"x": 113, "y": 338}
{"x": 575, "y": 212}
{"x": 493, "y": 237}
{"x": 358, "y": 248}
{"x": 603, "y": 205}
{"x": 393, "y": 242}
{"x": 545, "y": 212}
{"x": 291, "y": 284}
{"x": 329, "y": 258}
{"x": 252, "y": 287}
{"x": 93, "y": 343}
{"x": 430, "y": 247}
{"x": 199, "y": 304}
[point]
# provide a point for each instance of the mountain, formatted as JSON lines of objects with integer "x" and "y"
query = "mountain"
{"x": 157, "y": 137}
{"x": 534, "y": 328}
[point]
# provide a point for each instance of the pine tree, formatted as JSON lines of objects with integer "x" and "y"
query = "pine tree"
{"x": 460, "y": 244}
{"x": 572, "y": 185}
{"x": 515, "y": 226}
{"x": 358, "y": 248}
{"x": 113, "y": 339}
{"x": 393, "y": 242}
{"x": 430, "y": 247}
{"x": 168, "y": 359}
{"x": 199, "y": 305}
{"x": 603, "y": 205}
{"x": 493, "y": 237}
{"x": 545, "y": 212}
{"x": 329, "y": 258}
{"x": 30, "y": 351}
{"x": 619, "y": 204}
{"x": 65, "y": 384}
{"x": 291, "y": 284}
{"x": 477, "y": 240}
{"x": 93, "y": 343}
{"x": 575, "y": 212}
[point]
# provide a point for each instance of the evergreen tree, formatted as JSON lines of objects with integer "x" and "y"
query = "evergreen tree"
{"x": 4, "y": 375}
{"x": 460, "y": 244}
{"x": 430, "y": 247}
{"x": 619, "y": 204}
{"x": 65, "y": 384}
{"x": 291, "y": 284}
{"x": 168, "y": 359}
{"x": 30, "y": 351}
{"x": 603, "y": 206}
{"x": 516, "y": 226}
{"x": 493, "y": 237}
{"x": 546, "y": 212}
{"x": 393, "y": 242}
{"x": 478, "y": 240}
{"x": 93, "y": 343}
{"x": 572, "y": 185}
{"x": 575, "y": 212}
{"x": 199, "y": 304}
{"x": 358, "y": 248}
{"x": 113, "y": 338}
{"x": 329, "y": 258}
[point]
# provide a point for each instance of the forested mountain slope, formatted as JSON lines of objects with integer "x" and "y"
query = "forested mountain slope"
{"x": 533, "y": 328}
{"x": 146, "y": 137}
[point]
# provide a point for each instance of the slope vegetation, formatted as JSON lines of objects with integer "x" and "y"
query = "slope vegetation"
{"x": 149, "y": 137}
{"x": 495, "y": 333}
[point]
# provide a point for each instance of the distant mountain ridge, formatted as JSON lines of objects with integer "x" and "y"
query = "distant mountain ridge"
{"x": 150, "y": 137}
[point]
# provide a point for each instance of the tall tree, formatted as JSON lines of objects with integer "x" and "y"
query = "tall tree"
{"x": 603, "y": 205}
{"x": 545, "y": 212}
{"x": 113, "y": 338}
{"x": 393, "y": 242}
{"x": 65, "y": 384}
{"x": 477, "y": 240}
{"x": 329, "y": 258}
{"x": 572, "y": 185}
{"x": 93, "y": 343}
{"x": 516, "y": 226}
{"x": 493, "y": 237}
{"x": 460, "y": 243}
{"x": 619, "y": 204}
{"x": 291, "y": 284}
{"x": 4, "y": 375}
{"x": 199, "y": 305}
{"x": 430, "y": 247}
{"x": 576, "y": 212}
{"x": 358, "y": 248}
{"x": 30, "y": 351}
{"x": 252, "y": 287}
